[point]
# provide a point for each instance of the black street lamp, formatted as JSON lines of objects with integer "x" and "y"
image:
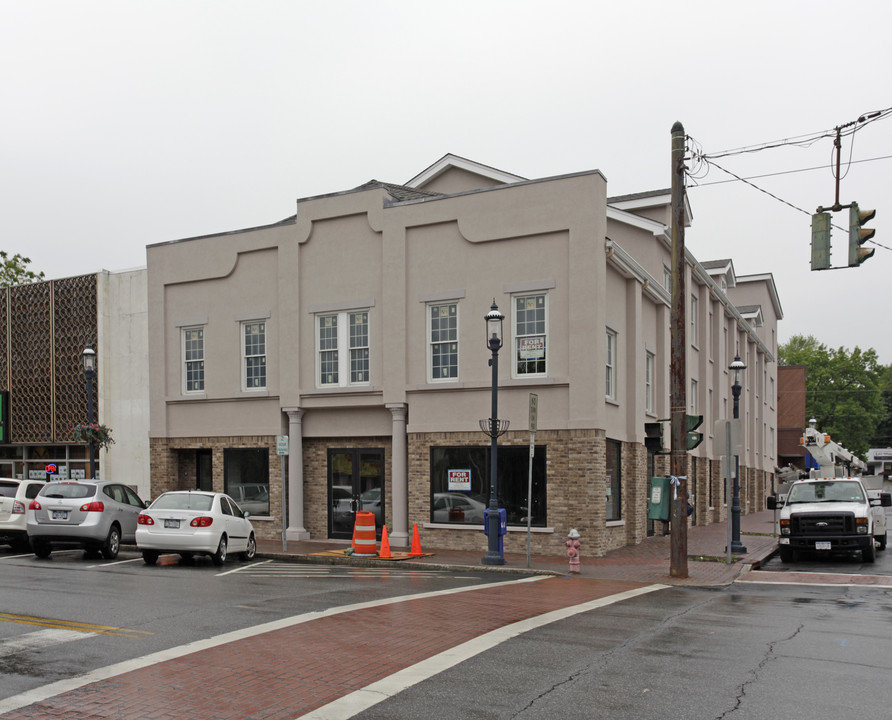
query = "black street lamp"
{"x": 494, "y": 427}
{"x": 89, "y": 357}
{"x": 736, "y": 546}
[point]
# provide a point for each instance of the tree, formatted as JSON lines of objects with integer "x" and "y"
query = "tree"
{"x": 14, "y": 270}
{"x": 843, "y": 390}
{"x": 882, "y": 436}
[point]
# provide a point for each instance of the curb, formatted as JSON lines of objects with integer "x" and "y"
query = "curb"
{"x": 351, "y": 561}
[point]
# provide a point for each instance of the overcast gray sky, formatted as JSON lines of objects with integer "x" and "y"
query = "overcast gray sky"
{"x": 130, "y": 123}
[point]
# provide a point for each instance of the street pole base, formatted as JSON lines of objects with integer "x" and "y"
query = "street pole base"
{"x": 492, "y": 558}
{"x": 737, "y": 548}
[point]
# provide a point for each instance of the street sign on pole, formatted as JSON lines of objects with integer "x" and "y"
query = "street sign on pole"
{"x": 282, "y": 451}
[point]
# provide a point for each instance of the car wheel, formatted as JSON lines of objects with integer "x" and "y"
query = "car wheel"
{"x": 112, "y": 543}
{"x": 150, "y": 557}
{"x": 41, "y": 549}
{"x": 219, "y": 557}
{"x": 786, "y": 555}
{"x": 251, "y": 549}
{"x": 869, "y": 553}
{"x": 882, "y": 541}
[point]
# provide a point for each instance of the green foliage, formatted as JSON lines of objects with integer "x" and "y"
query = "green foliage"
{"x": 99, "y": 436}
{"x": 843, "y": 390}
{"x": 14, "y": 270}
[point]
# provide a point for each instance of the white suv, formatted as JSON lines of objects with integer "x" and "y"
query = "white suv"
{"x": 15, "y": 495}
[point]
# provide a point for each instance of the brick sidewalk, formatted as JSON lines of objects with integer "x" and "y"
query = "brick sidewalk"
{"x": 647, "y": 562}
{"x": 284, "y": 673}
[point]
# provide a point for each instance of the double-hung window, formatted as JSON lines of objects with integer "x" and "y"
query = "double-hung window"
{"x": 193, "y": 360}
{"x": 610, "y": 389}
{"x": 443, "y": 341}
{"x": 649, "y": 361}
{"x": 254, "y": 355}
{"x": 530, "y": 334}
{"x": 342, "y": 357}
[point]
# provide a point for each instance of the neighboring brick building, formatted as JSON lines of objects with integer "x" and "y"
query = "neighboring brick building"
{"x": 356, "y": 328}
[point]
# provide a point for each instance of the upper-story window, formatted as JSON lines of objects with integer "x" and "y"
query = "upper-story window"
{"x": 253, "y": 355}
{"x": 342, "y": 357}
{"x": 530, "y": 334}
{"x": 694, "y": 307}
{"x": 667, "y": 279}
{"x": 193, "y": 359}
{"x": 610, "y": 389}
{"x": 649, "y": 362}
{"x": 443, "y": 341}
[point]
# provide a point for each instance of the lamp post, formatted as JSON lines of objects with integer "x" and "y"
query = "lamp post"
{"x": 736, "y": 546}
{"x": 89, "y": 358}
{"x": 494, "y": 427}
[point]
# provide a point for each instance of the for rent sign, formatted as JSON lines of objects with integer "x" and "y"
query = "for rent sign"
{"x": 459, "y": 479}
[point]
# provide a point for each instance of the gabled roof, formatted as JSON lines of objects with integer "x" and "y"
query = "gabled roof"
{"x": 752, "y": 314}
{"x": 725, "y": 267}
{"x": 768, "y": 279}
{"x": 399, "y": 192}
{"x": 649, "y": 198}
{"x": 449, "y": 160}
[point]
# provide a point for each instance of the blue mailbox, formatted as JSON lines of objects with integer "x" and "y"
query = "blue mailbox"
{"x": 503, "y": 527}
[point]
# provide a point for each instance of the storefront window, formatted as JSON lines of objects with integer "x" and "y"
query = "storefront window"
{"x": 246, "y": 478}
{"x": 614, "y": 485}
{"x": 460, "y": 484}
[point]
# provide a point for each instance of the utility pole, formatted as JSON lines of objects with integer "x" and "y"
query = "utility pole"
{"x": 678, "y": 564}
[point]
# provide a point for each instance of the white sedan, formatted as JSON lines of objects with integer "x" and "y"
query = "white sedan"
{"x": 194, "y": 522}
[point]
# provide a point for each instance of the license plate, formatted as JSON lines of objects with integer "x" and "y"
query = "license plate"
{"x": 172, "y": 524}
{"x": 60, "y": 514}
{"x": 822, "y": 545}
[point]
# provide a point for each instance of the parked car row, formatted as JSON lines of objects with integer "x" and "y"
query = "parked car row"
{"x": 99, "y": 516}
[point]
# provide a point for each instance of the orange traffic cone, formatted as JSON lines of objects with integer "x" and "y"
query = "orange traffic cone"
{"x": 416, "y": 542}
{"x": 353, "y": 540}
{"x": 385, "y": 544}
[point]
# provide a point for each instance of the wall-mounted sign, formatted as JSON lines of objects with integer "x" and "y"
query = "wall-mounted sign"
{"x": 459, "y": 479}
{"x": 531, "y": 348}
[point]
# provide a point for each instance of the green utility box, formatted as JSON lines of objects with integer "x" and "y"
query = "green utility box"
{"x": 659, "y": 499}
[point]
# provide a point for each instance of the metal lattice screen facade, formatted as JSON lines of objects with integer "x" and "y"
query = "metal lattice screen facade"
{"x": 44, "y": 328}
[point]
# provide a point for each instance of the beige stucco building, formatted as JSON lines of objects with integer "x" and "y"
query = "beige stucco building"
{"x": 356, "y": 328}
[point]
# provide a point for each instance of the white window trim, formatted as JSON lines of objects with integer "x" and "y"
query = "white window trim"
{"x": 430, "y": 355}
{"x": 610, "y": 365}
{"x": 242, "y": 327}
{"x": 650, "y": 364}
{"x": 343, "y": 349}
{"x": 512, "y": 349}
{"x": 184, "y": 363}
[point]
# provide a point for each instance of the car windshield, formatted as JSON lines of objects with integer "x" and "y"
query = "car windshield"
{"x": 68, "y": 490}
{"x": 831, "y": 491}
{"x": 8, "y": 489}
{"x": 184, "y": 501}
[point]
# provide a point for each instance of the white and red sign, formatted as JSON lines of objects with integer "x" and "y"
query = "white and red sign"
{"x": 459, "y": 479}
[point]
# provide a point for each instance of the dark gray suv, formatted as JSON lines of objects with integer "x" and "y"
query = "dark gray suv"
{"x": 95, "y": 515}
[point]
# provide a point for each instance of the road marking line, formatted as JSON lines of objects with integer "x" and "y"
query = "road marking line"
{"x": 39, "y": 694}
{"x": 70, "y": 625}
{"x": 39, "y": 639}
{"x": 354, "y": 703}
{"x": 109, "y": 564}
{"x": 248, "y": 567}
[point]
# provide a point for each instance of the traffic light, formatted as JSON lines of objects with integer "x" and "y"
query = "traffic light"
{"x": 858, "y": 235}
{"x": 692, "y": 423}
{"x": 820, "y": 241}
{"x": 653, "y": 436}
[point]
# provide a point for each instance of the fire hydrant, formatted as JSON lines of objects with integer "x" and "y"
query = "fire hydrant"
{"x": 573, "y": 550}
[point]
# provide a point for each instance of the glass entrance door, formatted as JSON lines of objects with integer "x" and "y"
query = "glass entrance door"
{"x": 355, "y": 482}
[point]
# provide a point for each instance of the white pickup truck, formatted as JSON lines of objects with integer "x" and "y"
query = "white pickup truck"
{"x": 831, "y": 514}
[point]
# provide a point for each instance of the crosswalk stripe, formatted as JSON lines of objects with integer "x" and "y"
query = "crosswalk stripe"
{"x": 39, "y": 639}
